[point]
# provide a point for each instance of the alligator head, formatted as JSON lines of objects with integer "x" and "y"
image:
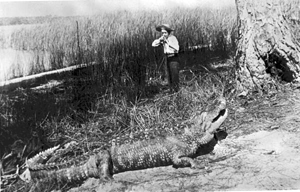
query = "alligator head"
{"x": 210, "y": 119}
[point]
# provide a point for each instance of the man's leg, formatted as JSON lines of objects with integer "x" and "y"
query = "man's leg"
{"x": 174, "y": 75}
{"x": 169, "y": 74}
{"x": 164, "y": 69}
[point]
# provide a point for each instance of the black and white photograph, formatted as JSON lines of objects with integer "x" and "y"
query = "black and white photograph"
{"x": 149, "y": 96}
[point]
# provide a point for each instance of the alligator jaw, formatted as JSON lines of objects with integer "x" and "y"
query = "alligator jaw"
{"x": 218, "y": 122}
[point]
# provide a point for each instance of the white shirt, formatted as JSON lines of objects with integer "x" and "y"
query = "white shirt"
{"x": 171, "y": 44}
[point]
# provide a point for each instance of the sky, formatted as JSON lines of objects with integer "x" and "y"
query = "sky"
{"x": 26, "y": 8}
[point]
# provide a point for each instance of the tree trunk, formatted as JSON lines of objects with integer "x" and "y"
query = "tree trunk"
{"x": 266, "y": 47}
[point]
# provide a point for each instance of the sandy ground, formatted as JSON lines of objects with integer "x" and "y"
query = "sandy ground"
{"x": 262, "y": 152}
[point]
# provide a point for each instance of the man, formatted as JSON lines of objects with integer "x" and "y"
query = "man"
{"x": 171, "y": 48}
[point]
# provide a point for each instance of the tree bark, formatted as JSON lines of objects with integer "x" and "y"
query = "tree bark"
{"x": 266, "y": 47}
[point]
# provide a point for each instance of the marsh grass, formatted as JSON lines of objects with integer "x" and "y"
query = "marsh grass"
{"x": 82, "y": 112}
{"x": 120, "y": 42}
{"x": 124, "y": 92}
{"x": 109, "y": 119}
{"x": 127, "y": 74}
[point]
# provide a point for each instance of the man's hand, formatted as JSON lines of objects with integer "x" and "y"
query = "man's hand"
{"x": 162, "y": 39}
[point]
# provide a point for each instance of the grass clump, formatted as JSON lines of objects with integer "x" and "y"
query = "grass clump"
{"x": 110, "y": 119}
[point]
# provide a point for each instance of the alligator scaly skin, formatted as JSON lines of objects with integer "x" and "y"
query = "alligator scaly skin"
{"x": 175, "y": 150}
{"x": 98, "y": 165}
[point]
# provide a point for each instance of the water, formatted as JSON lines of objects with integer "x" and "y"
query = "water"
{"x": 16, "y": 63}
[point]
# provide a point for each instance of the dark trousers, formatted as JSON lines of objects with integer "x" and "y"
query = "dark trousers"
{"x": 173, "y": 73}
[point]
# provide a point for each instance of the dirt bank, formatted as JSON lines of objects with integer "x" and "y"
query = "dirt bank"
{"x": 261, "y": 153}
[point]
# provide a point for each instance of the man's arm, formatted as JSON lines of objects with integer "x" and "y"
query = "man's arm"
{"x": 157, "y": 42}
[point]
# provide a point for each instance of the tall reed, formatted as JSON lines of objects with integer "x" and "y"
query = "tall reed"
{"x": 120, "y": 42}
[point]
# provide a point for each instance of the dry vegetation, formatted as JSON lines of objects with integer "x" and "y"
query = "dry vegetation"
{"x": 127, "y": 67}
{"x": 120, "y": 42}
{"x": 124, "y": 91}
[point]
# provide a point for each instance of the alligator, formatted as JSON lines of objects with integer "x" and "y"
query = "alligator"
{"x": 175, "y": 150}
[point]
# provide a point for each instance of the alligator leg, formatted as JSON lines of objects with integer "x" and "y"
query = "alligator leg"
{"x": 104, "y": 165}
{"x": 186, "y": 162}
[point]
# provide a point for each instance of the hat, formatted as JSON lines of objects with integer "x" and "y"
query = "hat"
{"x": 164, "y": 26}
